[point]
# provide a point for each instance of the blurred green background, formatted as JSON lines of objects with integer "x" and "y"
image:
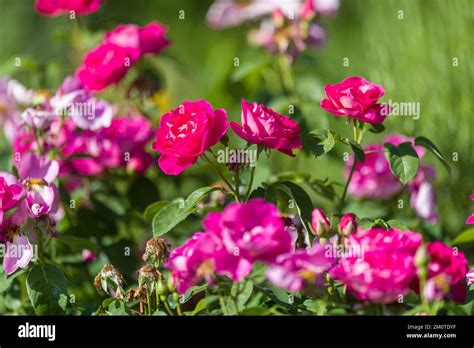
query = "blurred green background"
{"x": 411, "y": 57}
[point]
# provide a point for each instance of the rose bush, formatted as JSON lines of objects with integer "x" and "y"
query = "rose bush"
{"x": 125, "y": 165}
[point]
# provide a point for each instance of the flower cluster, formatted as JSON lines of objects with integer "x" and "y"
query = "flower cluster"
{"x": 33, "y": 197}
{"x": 188, "y": 131}
{"x": 290, "y": 29}
{"x": 109, "y": 62}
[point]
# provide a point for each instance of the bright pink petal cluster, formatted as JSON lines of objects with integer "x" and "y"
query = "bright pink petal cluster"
{"x": 320, "y": 222}
{"x": 448, "y": 266}
{"x": 356, "y": 98}
{"x": 186, "y": 132}
{"x": 264, "y": 126}
{"x": 233, "y": 239}
{"x": 294, "y": 271}
{"x": 109, "y": 62}
{"x": 378, "y": 266}
{"x": 60, "y": 7}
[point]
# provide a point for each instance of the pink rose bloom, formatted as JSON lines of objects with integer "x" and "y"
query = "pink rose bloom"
{"x": 202, "y": 257}
{"x": 470, "y": 277}
{"x": 139, "y": 41}
{"x": 450, "y": 263}
{"x": 348, "y": 224}
{"x": 59, "y": 7}
{"x": 357, "y": 98}
{"x": 126, "y": 36}
{"x": 294, "y": 271}
{"x": 10, "y": 194}
{"x": 105, "y": 65}
{"x": 470, "y": 219}
{"x": 265, "y": 126}
{"x": 320, "y": 222}
{"x": 42, "y": 197}
{"x": 19, "y": 251}
{"x": 252, "y": 230}
{"x": 186, "y": 132}
{"x": 152, "y": 38}
{"x": 379, "y": 265}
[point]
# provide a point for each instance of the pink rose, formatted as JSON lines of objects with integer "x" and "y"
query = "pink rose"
{"x": 202, "y": 257}
{"x": 357, "y": 98}
{"x": 139, "y": 41}
{"x": 152, "y": 38}
{"x": 265, "y": 126}
{"x": 186, "y": 132}
{"x": 379, "y": 265}
{"x": 105, "y": 65}
{"x": 320, "y": 222}
{"x": 252, "y": 230}
{"x": 294, "y": 271}
{"x": 10, "y": 193}
{"x": 59, "y": 7}
{"x": 452, "y": 265}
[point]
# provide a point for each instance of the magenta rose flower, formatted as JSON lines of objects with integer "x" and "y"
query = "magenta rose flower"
{"x": 296, "y": 270}
{"x": 253, "y": 230}
{"x": 105, "y": 65}
{"x": 186, "y": 132}
{"x": 10, "y": 193}
{"x": 264, "y": 126}
{"x": 379, "y": 265}
{"x": 139, "y": 40}
{"x": 59, "y": 7}
{"x": 448, "y": 268}
{"x": 357, "y": 98}
{"x": 202, "y": 257}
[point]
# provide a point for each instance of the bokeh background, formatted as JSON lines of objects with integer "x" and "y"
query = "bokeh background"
{"x": 411, "y": 57}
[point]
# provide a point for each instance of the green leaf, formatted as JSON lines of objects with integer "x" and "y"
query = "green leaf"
{"x": 153, "y": 209}
{"x": 428, "y": 144}
{"x": 403, "y": 160}
{"x": 304, "y": 205}
{"x": 77, "y": 243}
{"x": 320, "y": 142}
{"x": 177, "y": 211}
{"x": 6, "y": 281}
{"x": 358, "y": 151}
{"x": 316, "y": 306}
{"x": 191, "y": 292}
{"x": 397, "y": 224}
{"x": 466, "y": 236}
{"x": 47, "y": 290}
{"x": 239, "y": 295}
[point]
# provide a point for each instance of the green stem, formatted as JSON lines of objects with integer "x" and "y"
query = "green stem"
{"x": 148, "y": 300}
{"x": 249, "y": 189}
{"x": 222, "y": 303}
{"x": 344, "y": 193}
{"x": 286, "y": 74}
{"x": 218, "y": 171}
